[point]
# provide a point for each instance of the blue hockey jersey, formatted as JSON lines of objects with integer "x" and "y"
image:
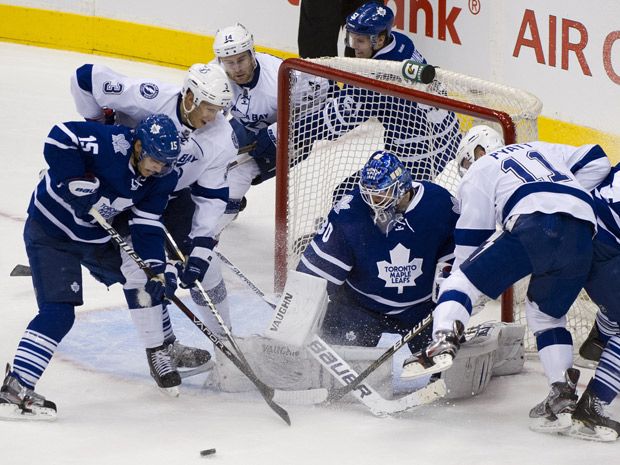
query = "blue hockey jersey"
{"x": 425, "y": 138}
{"x": 75, "y": 149}
{"x": 400, "y": 48}
{"x": 388, "y": 273}
{"x": 607, "y": 208}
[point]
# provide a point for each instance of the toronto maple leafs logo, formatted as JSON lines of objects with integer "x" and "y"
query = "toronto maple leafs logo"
{"x": 120, "y": 144}
{"x": 381, "y": 11}
{"x": 155, "y": 128}
{"x": 344, "y": 203}
{"x": 400, "y": 271}
{"x": 75, "y": 287}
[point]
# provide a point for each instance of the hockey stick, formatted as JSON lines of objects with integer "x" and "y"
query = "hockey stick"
{"x": 253, "y": 287}
{"x": 336, "y": 394}
{"x": 266, "y": 392}
{"x": 378, "y": 405}
{"x": 352, "y": 381}
{"x": 21, "y": 270}
{"x": 302, "y": 397}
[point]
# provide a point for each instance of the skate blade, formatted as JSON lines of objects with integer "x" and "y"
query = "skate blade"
{"x": 562, "y": 424}
{"x": 415, "y": 370}
{"x": 14, "y": 412}
{"x": 579, "y": 430}
{"x": 204, "y": 368}
{"x": 171, "y": 391}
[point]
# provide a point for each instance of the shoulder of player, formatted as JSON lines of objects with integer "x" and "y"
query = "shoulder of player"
{"x": 434, "y": 198}
{"x": 217, "y": 134}
{"x": 350, "y": 209}
{"x": 215, "y": 138}
{"x": 163, "y": 184}
{"x": 266, "y": 59}
{"x": 108, "y": 81}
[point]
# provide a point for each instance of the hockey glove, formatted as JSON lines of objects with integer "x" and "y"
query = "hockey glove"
{"x": 440, "y": 277}
{"x": 81, "y": 194}
{"x": 198, "y": 262}
{"x": 265, "y": 145}
{"x": 163, "y": 284}
{"x": 107, "y": 117}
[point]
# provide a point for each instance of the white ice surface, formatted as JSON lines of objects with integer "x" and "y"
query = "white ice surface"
{"x": 109, "y": 411}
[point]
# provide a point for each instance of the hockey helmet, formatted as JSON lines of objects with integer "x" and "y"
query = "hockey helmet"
{"x": 370, "y": 19}
{"x": 160, "y": 141}
{"x": 384, "y": 181}
{"x": 484, "y": 136}
{"x": 208, "y": 83}
{"x": 233, "y": 40}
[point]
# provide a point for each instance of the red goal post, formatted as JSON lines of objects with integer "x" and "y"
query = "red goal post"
{"x": 305, "y": 184}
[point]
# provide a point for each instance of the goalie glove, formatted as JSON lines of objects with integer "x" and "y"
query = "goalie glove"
{"x": 163, "y": 284}
{"x": 198, "y": 262}
{"x": 81, "y": 194}
{"x": 443, "y": 272}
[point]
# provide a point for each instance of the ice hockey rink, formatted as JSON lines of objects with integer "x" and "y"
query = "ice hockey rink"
{"x": 109, "y": 410}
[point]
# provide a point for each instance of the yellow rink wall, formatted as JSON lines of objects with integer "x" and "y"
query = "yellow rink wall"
{"x": 179, "y": 49}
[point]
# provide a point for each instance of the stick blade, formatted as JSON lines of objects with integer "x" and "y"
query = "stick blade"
{"x": 21, "y": 270}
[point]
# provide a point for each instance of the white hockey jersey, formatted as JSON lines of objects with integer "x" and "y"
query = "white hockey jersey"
{"x": 526, "y": 178}
{"x": 205, "y": 153}
{"x": 255, "y": 104}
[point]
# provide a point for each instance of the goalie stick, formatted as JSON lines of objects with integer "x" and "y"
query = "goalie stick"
{"x": 353, "y": 382}
{"x": 266, "y": 392}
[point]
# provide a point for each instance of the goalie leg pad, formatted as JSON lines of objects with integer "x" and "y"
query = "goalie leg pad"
{"x": 491, "y": 349}
{"x": 299, "y": 311}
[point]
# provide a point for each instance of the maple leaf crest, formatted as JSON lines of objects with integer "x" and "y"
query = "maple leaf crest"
{"x": 400, "y": 271}
{"x": 120, "y": 144}
{"x": 344, "y": 203}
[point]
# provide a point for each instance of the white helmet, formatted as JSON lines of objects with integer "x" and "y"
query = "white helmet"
{"x": 484, "y": 136}
{"x": 208, "y": 83}
{"x": 233, "y": 40}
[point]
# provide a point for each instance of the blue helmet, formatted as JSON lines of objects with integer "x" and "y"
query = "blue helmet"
{"x": 383, "y": 183}
{"x": 371, "y": 19}
{"x": 160, "y": 141}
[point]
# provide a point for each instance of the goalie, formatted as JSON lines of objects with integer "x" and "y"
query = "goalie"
{"x": 378, "y": 251}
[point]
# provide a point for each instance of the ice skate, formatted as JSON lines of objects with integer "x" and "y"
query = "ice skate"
{"x": 437, "y": 356}
{"x": 590, "y": 422}
{"x": 17, "y": 402}
{"x": 189, "y": 361}
{"x": 163, "y": 372}
{"x": 553, "y": 415}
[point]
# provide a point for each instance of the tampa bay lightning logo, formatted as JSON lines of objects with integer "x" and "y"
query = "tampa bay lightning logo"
{"x": 149, "y": 90}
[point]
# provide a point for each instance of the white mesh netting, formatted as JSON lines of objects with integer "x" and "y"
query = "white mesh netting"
{"x": 336, "y": 122}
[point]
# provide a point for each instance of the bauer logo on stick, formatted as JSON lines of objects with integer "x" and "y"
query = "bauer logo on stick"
{"x": 418, "y": 72}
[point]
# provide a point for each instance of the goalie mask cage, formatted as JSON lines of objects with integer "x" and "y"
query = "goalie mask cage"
{"x": 316, "y": 161}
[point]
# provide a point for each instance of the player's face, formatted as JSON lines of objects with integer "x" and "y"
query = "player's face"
{"x": 240, "y": 68}
{"x": 363, "y": 45}
{"x": 149, "y": 166}
{"x": 203, "y": 114}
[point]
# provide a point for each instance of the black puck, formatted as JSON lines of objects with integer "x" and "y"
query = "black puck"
{"x": 207, "y": 452}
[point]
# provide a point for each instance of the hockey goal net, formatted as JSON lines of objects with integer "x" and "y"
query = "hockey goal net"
{"x": 334, "y": 112}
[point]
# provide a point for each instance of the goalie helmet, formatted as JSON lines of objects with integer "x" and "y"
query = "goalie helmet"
{"x": 371, "y": 19}
{"x": 383, "y": 183}
{"x": 233, "y": 40}
{"x": 484, "y": 136}
{"x": 208, "y": 83}
{"x": 160, "y": 141}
